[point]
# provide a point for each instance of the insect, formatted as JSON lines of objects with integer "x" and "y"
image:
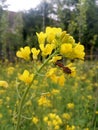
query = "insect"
{"x": 64, "y": 68}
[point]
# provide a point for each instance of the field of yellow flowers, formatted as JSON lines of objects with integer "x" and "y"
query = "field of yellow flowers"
{"x": 57, "y": 92}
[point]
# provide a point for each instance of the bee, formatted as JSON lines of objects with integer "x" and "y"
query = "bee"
{"x": 64, "y": 68}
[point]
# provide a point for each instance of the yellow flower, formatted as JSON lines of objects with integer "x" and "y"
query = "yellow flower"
{"x": 55, "y": 91}
{"x": 52, "y": 33}
{"x": 57, "y": 127}
{"x": 66, "y": 38}
{"x": 70, "y": 106}
{"x": 10, "y": 70}
{"x": 66, "y": 116}
{"x": 26, "y": 77}
{"x": 86, "y": 129}
{"x": 47, "y": 50}
{"x": 96, "y": 112}
{"x": 61, "y": 80}
{"x": 41, "y": 37}
{"x": 78, "y": 51}
{"x": 55, "y": 58}
{"x": 35, "y": 120}
{"x": 43, "y": 101}
{"x": 54, "y": 78}
{"x": 66, "y": 49}
{"x": 45, "y": 119}
{"x": 24, "y": 53}
{"x": 70, "y": 127}
{"x": 51, "y": 72}
{"x": 35, "y": 53}
{"x": 3, "y": 84}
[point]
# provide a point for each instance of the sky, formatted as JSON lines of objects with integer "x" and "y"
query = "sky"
{"x": 21, "y": 5}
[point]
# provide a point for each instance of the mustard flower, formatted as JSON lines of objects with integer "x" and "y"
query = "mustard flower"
{"x": 52, "y": 32}
{"x": 55, "y": 91}
{"x": 26, "y": 77}
{"x": 53, "y": 120}
{"x": 41, "y": 37}
{"x": 66, "y": 49}
{"x": 66, "y": 116}
{"x": 70, "y": 105}
{"x": 35, "y": 53}
{"x": 61, "y": 80}
{"x": 78, "y": 51}
{"x": 51, "y": 72}
{"x": 54, "y": 78}
{"x": 45, "y": 119}
{"x": 55, "y": 58}
{"x": 35, "y": 120}
{"x": 47, "y": 50}
{"x": 86, "y": 129}
{"x": 3, "y": 84}
{"x": 43, "y": 101}
{"x": 96, "y": 112}
{"x": 67, "y": 38}
{"x": 24, "y": 53}
{"x": 10, "y": 70}
{"x": 70, "y": 127}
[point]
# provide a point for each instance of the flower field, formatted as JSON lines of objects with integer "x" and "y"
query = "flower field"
{"x": 51, "y": 93}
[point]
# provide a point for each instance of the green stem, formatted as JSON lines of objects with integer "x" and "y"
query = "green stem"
{"x": 27, "y": 89}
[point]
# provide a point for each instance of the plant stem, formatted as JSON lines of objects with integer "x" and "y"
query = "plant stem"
{"x": 27, "y": 89}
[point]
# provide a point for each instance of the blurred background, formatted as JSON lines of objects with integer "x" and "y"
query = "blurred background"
{"x": 20, "y": 21}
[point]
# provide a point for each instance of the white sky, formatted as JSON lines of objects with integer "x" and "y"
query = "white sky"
{"x": 18, "y": 5}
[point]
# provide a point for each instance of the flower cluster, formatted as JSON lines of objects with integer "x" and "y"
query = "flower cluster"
{"x": 53, "y": 121}
{"x": 56, "y": 39}
{"x": 26, "y": 51}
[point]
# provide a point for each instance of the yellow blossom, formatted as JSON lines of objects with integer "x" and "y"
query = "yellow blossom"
{"x": 54, "y": 78}
{"x": 45, "y": 119}
{"x": 55, "y": 91}
{"x": 78, "y": 51}
{"x": 47, "y": 50}
{"x": 66, "y": 116}
{"x": 70, "y": 106}
{"x": 61, "y": 80}
{"x": 43, "y": 101}
{"x": 35, "y": 120}
{"x": 35, "y": 53}
{"x": 70, "y": 127}
{"x": 89, "y": 97}
{"x": 57, "y": 127}
{"x": 96, "y": 112}
{"x": 55, "y": 58}
{"x": 86, "y": 129}
{"x": 51, "y": 72}
{"x": 10, "y": 70}
{"x": 52, "y": 32}
{"x": 41, "y": 37}
{"x": 3, "y": 84}
{"x": 66, "y": 49}
{"x": 24, "y": 53}
{"x": 26, "y": 77}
